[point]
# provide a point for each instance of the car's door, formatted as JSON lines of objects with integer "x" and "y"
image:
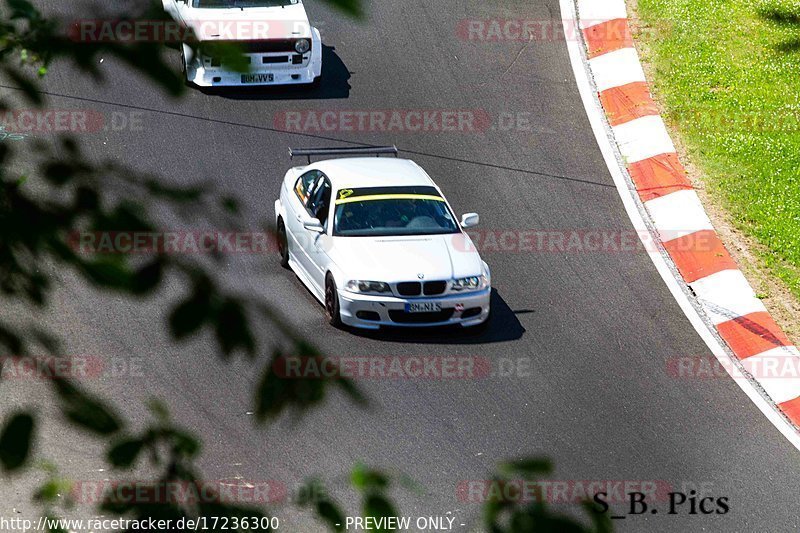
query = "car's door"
{"x": 296, "y": 214}
{"x": 315, "y": 244}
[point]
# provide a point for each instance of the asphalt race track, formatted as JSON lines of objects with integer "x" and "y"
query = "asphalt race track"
{"x": 591, "y": 332}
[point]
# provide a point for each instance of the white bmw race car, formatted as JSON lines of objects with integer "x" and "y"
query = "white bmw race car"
{"x": 278, "y": 44}
{"x": 375, "y": 240}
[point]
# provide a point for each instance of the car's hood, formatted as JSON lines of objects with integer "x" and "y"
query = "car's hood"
{"x": 249, "y": 24}
{"x": 395, "y": 259}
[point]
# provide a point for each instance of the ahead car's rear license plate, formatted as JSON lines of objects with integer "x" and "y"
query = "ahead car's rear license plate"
{"x": 258, "y": 78}
{"x": 423, "y": 307}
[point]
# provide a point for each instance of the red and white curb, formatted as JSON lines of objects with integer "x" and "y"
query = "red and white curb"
{"x": 657, "y": 193}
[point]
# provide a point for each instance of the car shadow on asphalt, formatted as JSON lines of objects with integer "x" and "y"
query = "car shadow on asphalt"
{"x": 502, "y": 327}
{"x": 334, "y": 84}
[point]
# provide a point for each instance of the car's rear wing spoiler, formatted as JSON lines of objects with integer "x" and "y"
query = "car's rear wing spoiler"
{"x": 356, "y": 150}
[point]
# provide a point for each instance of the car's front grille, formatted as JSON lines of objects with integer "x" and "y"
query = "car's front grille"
{"x": 409, "y": 288}
{"x": 401, "y": 317}
{"x": 432, "y": 288}
{"x": 415, "y": 288}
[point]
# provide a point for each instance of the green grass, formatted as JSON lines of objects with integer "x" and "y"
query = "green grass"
{"x": 728, "y": 73}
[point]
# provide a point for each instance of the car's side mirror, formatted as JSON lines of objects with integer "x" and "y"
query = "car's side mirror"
{"x": 314, "y": 225}
{"x": 470, "y": 220}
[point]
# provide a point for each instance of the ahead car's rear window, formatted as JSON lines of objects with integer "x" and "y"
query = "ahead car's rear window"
{"x": 392, "y": 211}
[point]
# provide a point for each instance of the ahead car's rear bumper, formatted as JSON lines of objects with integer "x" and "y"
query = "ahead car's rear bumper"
{"x": 371, "y": 312}
{"x": 283, "y": 75}
{"x": 279, "y": 64}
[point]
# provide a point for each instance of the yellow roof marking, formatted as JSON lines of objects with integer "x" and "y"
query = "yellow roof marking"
{"x": 390, "y": 197}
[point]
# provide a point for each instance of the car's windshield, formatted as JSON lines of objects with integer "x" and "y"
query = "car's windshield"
{"x": 242, "y": 3}
{"x": 388, "y": 211}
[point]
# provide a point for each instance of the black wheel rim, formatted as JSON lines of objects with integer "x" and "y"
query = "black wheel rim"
{"x": 282, "y": 241}
{"x": 329, "y": 299}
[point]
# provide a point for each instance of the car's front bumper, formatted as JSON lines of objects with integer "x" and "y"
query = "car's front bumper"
{"x": 390, "y": 311}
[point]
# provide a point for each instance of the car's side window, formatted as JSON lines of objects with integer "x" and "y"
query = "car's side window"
{"x": 320, "y": 200}
{"x": 302, "y": 187}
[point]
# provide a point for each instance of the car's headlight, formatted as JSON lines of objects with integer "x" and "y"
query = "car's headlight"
{"x": 473, "y": 283}
{"x": 302, "y": 46}
{"x": 367, "y": 287}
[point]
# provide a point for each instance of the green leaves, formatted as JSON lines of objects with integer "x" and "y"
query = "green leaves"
{"x": 367, "y": 480}
{"x": 529, "y": 468}
{"x": 377, "y": 505}
{"x": 16, "y": 441}
{"x": 329, "y": 513}
{"x": 279, "y": 390}
{"x": 225, "y": 314}
{"x": 124, "y": 453}
{"x": 183, "y": 444}
{"x": 85, "y": 411}
{"x": 505, "y": 513}
{"x": 59, "y": 172}
{"x": 10, "y": 339}
{"x": 232, "y": 328}
{"x": 29, "y": 88}
{"x": 354, "y": 8}
{"x": 108, "y": 272}
{"x": 190, "y": 315}
{"x": 373, "y": 485}
{"x": 22, "y": 9}
{"x": 147, "y": 278}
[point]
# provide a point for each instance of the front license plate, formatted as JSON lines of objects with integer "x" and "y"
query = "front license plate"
{"x": 258, "y": 78}
{"x": 423, "y": 307}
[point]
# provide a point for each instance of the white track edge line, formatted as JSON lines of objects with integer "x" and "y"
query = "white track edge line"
{"x": 634, "y": 209}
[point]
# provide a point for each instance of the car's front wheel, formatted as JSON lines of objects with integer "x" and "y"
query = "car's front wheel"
{"x": 283, "y": 244}
{"x": 332, "y": 302}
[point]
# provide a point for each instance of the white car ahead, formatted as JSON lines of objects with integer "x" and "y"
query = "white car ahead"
{"x": 277, "y": 42}
{"x": 375, "y": 240}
